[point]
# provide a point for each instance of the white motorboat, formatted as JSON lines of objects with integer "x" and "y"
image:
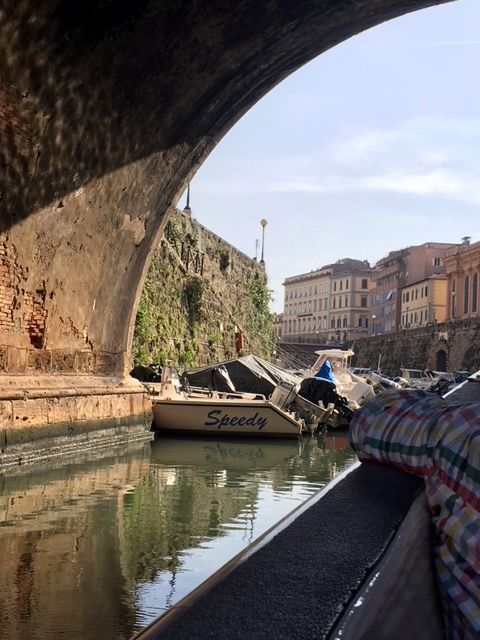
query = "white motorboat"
{"x": 348, "y": 385}
{"x": 211, "y": 412}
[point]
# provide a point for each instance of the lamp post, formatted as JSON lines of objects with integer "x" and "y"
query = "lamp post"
{"x": 264, "y": 223}
{"x": 373, "y": 324}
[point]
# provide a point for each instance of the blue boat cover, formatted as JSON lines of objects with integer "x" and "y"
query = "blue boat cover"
{"x": 325, "y": 372}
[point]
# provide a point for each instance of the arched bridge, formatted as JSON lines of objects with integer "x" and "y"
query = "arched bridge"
{"x": 107, "y": 108}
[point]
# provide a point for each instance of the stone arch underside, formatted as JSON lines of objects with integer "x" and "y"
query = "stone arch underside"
{"x": 106, "y": 111}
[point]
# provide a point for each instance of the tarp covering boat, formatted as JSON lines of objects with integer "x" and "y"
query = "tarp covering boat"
{"x": 326, "y": 372}
{"x": 420, "y": 433}
{"x": 247, "y": 374}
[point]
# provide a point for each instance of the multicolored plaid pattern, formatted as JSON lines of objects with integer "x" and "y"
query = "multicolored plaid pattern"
{"x": 419, "y": 433}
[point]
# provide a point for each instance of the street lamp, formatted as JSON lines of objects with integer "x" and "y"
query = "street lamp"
{"x": 373, "y": 324}
{"x": 264, "y": 223}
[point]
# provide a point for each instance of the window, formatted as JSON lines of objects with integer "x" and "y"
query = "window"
{"x": 332, "y": 324}
{"x": 339, "y": 322}
{"x": 364, "y": 283}
{"x": 407, "y": 297}
{"x": 341, "y": 285}
{"x": 426, "y": 291}
{"x": 346, "y": 301}
{"x": 346, "y": 284}
{"x": 344, "y": 322}
{"x": 474, "y": 291}
{"x": 466, "y": 287}
{"x": 363, "y": 322}
{"x": 363, "y": 301}
{"x": 334, "y": 286}
{"x": 334, "y": 303}
{"x": 437, "y": 262}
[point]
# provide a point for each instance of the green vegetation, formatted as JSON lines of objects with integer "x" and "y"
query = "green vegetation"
{"x": 188, "y": 317}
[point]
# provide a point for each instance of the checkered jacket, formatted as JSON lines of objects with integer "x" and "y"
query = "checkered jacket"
{"x": 418, "y": 432}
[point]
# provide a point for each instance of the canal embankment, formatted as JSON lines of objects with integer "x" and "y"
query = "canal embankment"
{"x": 44, "y": 416}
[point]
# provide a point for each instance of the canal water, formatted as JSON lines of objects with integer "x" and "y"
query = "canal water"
{"x": 98, "y": 547}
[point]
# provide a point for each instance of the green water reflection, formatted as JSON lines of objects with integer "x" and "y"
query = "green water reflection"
{"x": 99, "y": 547}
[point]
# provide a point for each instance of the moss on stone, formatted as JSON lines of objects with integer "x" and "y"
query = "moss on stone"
{"x": 189, "y": 316}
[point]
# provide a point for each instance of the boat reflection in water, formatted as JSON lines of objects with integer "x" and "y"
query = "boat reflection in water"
{"x": 99, "y": 548}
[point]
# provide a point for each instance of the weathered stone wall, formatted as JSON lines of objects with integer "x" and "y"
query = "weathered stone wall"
{"x": 48, "y": 416}
{"x": 419, "y": 348}
{"x": 201, "y": 291}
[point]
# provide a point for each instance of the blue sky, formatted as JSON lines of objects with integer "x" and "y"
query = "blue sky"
{"x": 371, "y": 147}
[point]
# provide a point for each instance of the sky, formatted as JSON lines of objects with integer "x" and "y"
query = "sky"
{"x": 371, "y": 147}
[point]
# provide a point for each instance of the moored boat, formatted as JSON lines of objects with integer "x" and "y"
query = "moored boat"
{"x": 282, "y": 415}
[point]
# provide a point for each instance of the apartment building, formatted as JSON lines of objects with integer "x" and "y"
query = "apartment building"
{"x": 424, "y": 302}
{"x": 329, "y": 304}
{"x": 462, "y": 265}
{"x": 277, "y": 324}
{"x": 396, "y": 271}
{"x": 349, "y": 291}
{"x": 306, "y": 306}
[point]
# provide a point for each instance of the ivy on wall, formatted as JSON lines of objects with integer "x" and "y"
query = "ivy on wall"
{"x": 198, "y": 293}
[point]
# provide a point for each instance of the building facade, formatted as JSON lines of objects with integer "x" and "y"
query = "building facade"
{"x": 328, "y": 305}
{"x": 463, "y": 268}
{"x": 424, "y": 303}
{"x": 350, "y": 286}
{"x": 277, "y": 323}
{"x": 306, "y": 308}
{"x": 396, "y": 271}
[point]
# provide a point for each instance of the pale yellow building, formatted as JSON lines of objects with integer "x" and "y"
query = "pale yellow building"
{"x": 424, "y": 302}
{"x": 328, "y": 305}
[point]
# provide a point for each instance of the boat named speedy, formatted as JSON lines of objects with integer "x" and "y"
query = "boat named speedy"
{"x": 219, "y": 419}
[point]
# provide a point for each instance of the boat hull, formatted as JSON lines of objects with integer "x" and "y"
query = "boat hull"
{"x": 224, "y": 417}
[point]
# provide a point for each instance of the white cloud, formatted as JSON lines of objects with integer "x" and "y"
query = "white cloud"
{"x": 422, "y": 157}
{"x": 451, "y": 43}
{"x": 434, "y": 183}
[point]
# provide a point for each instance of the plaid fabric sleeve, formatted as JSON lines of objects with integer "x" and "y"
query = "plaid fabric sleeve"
{"x": 419, "y": 433}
